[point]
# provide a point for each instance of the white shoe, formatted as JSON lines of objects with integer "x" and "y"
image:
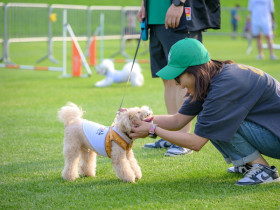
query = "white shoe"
{"x": 260, "y": 57}
{"x": 175, "y": 150}
{"x": 273, "y": 57}
{"x": 239, "y": 169}
{"x": 259, "y": 174}
{"x": 249, "y": 50}
{"x": 158, "y": 144}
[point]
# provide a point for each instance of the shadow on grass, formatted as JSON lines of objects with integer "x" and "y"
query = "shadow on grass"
{"x": 166, "y": 183}
{"x": 48, "y": 189}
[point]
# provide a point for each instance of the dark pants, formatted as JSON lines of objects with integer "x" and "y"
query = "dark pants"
{"x": 161, "y": 41}
{"x": 248, "y": 143}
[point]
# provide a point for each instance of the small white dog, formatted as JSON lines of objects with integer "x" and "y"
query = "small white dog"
{"x": 107, "y": 69}
{"x": 84, "y": 139}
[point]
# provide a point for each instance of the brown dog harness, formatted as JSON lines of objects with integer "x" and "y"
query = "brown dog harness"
{"x": 114, "y": 136}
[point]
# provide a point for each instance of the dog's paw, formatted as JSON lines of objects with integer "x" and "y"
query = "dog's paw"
{"x": 138, "y": 174}
{"x": 69, "y": 175}
{"x": 70, "y": 178}
{"x": 129, "y": 179}
{"x": 102, "y": 83}
{"x": 105, "y": 82}
{"x": 87, "y": 173}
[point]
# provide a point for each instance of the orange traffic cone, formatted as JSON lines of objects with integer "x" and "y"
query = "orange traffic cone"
{"x": 76, "y": 62}
{"x": 92, "y": 52}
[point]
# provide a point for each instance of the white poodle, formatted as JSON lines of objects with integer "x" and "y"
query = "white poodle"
{"x": 107, "y": 69}
{"x": 84, "y": 139}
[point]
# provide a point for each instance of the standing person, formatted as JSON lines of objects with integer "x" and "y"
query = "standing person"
{"x": 234, "y": 20}
{"x": 237, "y": 108}
{"x": 262, "y": 16}
{"x": 248, "y": 33}
{"x": 170, "y": 21}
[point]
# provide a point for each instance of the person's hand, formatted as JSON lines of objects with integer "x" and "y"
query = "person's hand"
{"x": 140, "y": 129}
{"x": 142, "y": 13}
{"x": 173, "y": 16}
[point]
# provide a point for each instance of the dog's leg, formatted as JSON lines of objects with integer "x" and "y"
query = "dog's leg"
{"x": 137, "y": 80}
{"x": 71, "y": 154}
{"x": 134, "y": 165}
{"x": 105, "y": 82}
{"x": 88, "y": 162}
{"x": 121, "y": 164}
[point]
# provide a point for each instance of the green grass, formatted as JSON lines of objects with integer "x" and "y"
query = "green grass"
{"x": 31, "y": 142}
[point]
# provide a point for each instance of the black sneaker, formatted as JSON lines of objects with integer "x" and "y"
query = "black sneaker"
{"x": 158, "y": 144}
{"x": 259, "y": 174}
{"x": 239, "y": 169}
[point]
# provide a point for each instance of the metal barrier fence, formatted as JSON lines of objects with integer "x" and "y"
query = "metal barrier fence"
{"x": 1, "y": 28}
{"x": 42, "y": 22}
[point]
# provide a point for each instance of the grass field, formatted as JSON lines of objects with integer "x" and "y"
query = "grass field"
{"x": 31, "y": 141}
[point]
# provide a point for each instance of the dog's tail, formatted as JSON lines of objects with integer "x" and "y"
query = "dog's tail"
{"x": 70, "y": 113}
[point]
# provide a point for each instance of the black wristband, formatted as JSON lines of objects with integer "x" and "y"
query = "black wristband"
{"x": 152, "y": 131}
{"x": 178, "y": 3}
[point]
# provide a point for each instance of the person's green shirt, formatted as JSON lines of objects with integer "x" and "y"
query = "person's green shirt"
{"x": 157, "y": 11}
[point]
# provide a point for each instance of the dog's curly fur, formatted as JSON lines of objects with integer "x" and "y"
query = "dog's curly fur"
{"x": 77, "y": 147}
{"x": 107, "y": 68}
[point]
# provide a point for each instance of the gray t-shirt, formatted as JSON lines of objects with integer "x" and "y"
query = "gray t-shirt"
{"x": 238, "y": 93}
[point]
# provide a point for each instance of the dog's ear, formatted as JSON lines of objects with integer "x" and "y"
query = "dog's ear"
{"x": 124, "y": 121}
{"x": 101, "y": 69}
{"x": 105, "y": 66}
{"x": 146, "y": 111}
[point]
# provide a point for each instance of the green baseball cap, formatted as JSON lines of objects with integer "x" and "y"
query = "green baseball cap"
{"x": 184, "y": 53}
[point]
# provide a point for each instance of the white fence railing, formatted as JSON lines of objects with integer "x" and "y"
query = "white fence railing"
{"x": 25, "y": 22}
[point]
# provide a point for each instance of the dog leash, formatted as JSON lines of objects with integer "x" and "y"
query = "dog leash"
{"x": 143, "y": 28}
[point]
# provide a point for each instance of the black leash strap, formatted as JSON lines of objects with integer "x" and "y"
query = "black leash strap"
{"x": 131, "y": 69}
